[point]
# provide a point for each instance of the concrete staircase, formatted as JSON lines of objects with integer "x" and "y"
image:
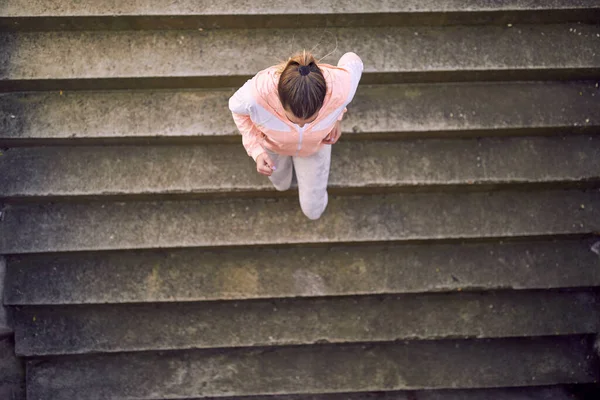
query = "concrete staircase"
{"x": 146, "y": 259}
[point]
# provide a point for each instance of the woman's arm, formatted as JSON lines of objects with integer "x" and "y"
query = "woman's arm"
{"x": 239, "y": 105}
{"x": 354, "y": 65}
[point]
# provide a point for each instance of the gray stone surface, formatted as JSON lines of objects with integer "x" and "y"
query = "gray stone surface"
{"x": 283, "y": 314}
{"x": 357, "y": 166}
{"x": 318, "y": 369}
{"x": 12, "y": 371}
{"x": 211, "y": 274}
{"x": 42, "y": 331}
{"x": 86, "y": 15}
{"x": 422, "y": 110}
{"x": 531, "y": 393}
{"x": 232, "y": 7}
{"x": 227, "y": 57}
{"x": 416, "y": 216}
{"x": 5, "y": 328}
{"x": 524, "y": 393}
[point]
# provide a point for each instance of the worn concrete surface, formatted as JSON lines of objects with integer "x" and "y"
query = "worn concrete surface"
{"x": 236, "y": 7}
{"x": 87, "y": 15}
{"x": 202, "y": 58}
{"x": 5, "y": 328}
{"x": 320, "y": 369}
{"x": 12, "y": 371}
{"x": 42, "y": 331}
{"x": 394, "y": 110}
{"x": 416, "y": 216}
{"x": 525, "y": 393}
{"x": 213, "y": 58}
{"x": 226, "y": 169}
{"x": 211, "y": 274}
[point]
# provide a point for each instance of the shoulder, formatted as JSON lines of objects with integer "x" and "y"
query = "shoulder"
{"x": 341, "y": 82}
{"x": 254, "y": 91}
{"x": 352, "y": 62}
{"x": 353, "y": 65}
{"x": 266, "y": 80}
{"x": 347, "y": 74}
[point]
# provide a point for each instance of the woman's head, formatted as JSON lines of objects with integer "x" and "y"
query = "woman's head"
{"x": 302, "y": 88}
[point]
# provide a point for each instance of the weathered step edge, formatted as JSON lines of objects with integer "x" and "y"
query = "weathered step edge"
{"x": 555, "y": 392}
{"x": 391, "y": 111}
{"x": 82, "y": 8}
{"x": 79, "y": 173}
{"x": 298, "y": 19}
{"x": 182, "y": 275}
{"x": 172, "y": 58}
{"x": 216, "y": 82}
{"x": 45, "y": 331}
{"x": 317, "y": 369}
{"x": 252, "y": 222}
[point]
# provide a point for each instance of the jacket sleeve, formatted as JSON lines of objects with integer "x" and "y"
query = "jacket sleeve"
{"x": 354, "y": 65}
{"x": 239, "y": 105}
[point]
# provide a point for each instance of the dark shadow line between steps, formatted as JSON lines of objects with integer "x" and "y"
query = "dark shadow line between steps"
{"x": 368, "y": 78}
{"x": 590, "y": 236}
{"x": 587, "y": 339}
{"x": 466, "y": 291}
{"x": 469, "y": 187}
{"x": 581, "y": 391}
{"x": 268, "y": 348}
{"x": 297, "y": 20}
{"x": 577, "y": 391}
{"x": 235, "y": 138}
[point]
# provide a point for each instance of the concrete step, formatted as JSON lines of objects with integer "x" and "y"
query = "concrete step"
{"x": 44, "y": 331}
{"x": 193, "y": 58}
{"x": 86, "y": 15}
{"x": 440, "y": 364}
{"x": 12, "y": 371}
{"x": 557, "y": 392}
{"x": 5, "y": 325}
{"x": 390, "y": 111}
{"x": 182, "y": 275}
{"x": 128, "y": 172}
{"x": 231, "y": 222}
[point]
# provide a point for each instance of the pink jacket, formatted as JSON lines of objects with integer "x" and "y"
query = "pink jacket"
{"x": 260, "y": 118}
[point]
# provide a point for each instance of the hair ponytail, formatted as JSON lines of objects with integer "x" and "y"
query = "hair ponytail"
{"x": 302, "y": 86}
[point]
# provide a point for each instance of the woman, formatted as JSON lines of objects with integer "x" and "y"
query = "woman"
{"x": 290, "y": 115}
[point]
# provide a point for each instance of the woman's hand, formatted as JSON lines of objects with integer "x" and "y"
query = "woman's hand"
{"x": 335, "y": 134}
{"x": 264, "y": 164}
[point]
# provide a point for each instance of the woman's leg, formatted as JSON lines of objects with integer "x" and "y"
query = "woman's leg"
{"x": 312, "y": 173}
{"x": 282, "y": 176}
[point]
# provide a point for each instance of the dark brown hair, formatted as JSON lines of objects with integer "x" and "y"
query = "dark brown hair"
{"x": 302, "y": 86}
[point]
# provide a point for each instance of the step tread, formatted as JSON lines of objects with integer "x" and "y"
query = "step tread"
{"x": 317, "y": 369}
{"x": 44, "y": 331}
{"x": 176, "y": 54}
{"x": 212, "y": 169}
{"x": 20, "y": 15}
{"x": 25, "y": 8}
{"x": 230, "y": 222}
{"x": 521, "y": 393}
{"x": 397, "y": 110}
{"x": 237, "y": 274}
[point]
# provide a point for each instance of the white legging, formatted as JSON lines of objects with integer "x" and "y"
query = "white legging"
{"x": 312, "y": 173}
